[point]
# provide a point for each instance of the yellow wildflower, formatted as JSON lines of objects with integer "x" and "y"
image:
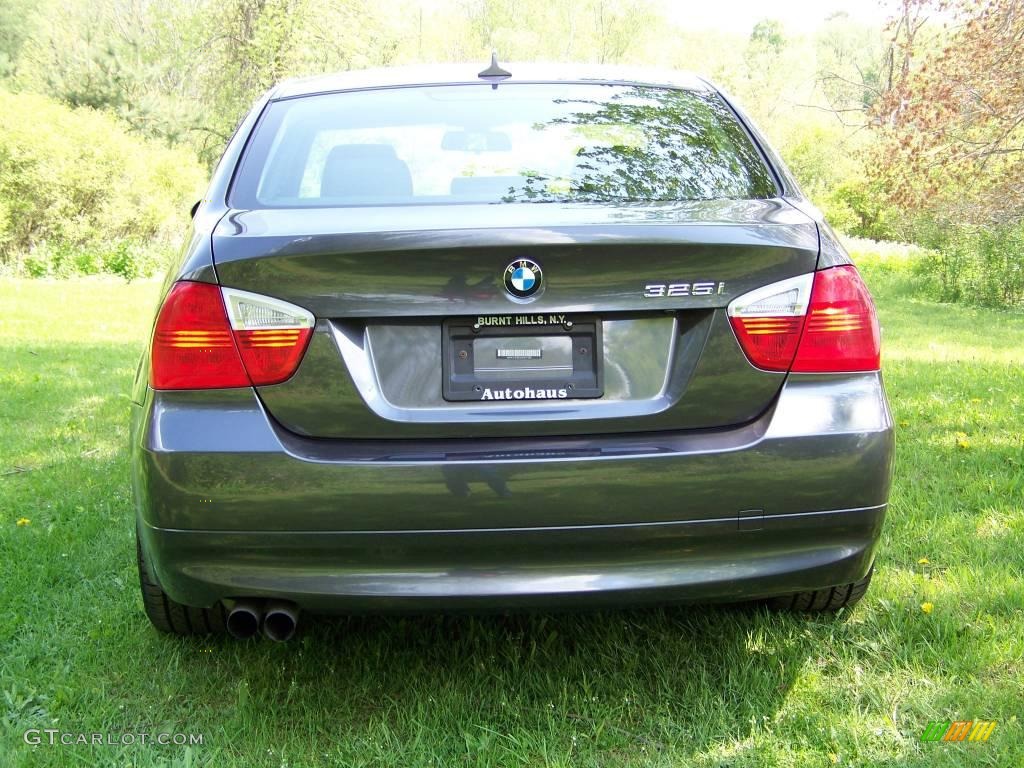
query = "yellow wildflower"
{"x": 927, "y": 607}
{"x": 22, "y": 521}
{"x": 923, "y": 561}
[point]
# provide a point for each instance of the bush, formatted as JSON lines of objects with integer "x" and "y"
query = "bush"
{"x": 80, "y": 194}
{"x": 983, "y": 267}
{"x": 893, "y": 266}
{"x": 978, "y": 265}
{"x": 860, "y": 208}
{"x": 827, "y": 159}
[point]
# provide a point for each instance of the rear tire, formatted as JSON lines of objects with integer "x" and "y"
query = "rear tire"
{"x": 826, "y": 600}
{"x": 170, "y": 616}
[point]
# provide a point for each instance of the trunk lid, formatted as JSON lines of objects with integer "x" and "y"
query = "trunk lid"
{"x": 382, "y": 281}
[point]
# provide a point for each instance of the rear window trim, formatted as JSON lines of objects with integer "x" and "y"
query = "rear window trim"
{"x": 504, "y": 83}
{"x": 780, "y": 190}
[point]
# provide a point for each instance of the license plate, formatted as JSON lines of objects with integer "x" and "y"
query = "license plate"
{"x": 522, "y": 358}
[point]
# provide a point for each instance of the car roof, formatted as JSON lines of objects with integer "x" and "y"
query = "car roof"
{"x": 445, "y": 74}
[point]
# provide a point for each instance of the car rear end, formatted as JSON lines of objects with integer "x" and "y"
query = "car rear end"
{"x": 494, "y": 344}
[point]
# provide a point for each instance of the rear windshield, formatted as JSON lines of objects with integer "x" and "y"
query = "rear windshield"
{"x": 511, "y": 144}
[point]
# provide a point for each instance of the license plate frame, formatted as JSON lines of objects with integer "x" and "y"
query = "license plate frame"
{"x": 462, "y": 383}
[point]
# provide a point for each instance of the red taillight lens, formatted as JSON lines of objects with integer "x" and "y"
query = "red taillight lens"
{"x": 270, "y": 357}
{"x": 197, "y": 346}
{"x": 810, "y": 324}
{"x": 193, "y": 346}
{"x": 768, "y": 321}
{"x": 770, "y": 342}
{"x": 841, "y": 331}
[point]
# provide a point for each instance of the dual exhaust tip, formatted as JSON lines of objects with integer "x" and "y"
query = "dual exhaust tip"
{"x": 277, "y": 618}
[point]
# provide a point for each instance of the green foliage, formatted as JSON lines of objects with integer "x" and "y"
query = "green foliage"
{"x": 768, "y": 35}
{"x": 981, "y": 267}
{"x": 18, "y": 19}
{"x": 861, "y": 207}
{"x": 79, "y": 194}
{"x": 814, "y": 151}
{"x": 130, "y": 259}
{"x": 891, "y": 267}
{"x": 850, "y": 58}
{"x": 94, "y": 74}
{"x": 603, "y": 31}
{"x": 186, "y": 70}
{"x": 769, "y": 73}
{"x": 141, "y": 61}
{"x": 826, "y": 158}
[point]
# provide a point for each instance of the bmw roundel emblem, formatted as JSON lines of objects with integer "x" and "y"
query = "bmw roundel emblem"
{"x": 523, "y": 278}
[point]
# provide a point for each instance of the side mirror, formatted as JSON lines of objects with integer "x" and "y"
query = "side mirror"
{"x": 194, "y": 208}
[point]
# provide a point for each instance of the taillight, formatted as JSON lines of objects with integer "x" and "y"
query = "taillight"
{"x": 207, "y": 337}
{"x": 271, "y": 334}
{"x": 193, "y": 346}
{"x": 768, "y": 321}
{"x": 841, "y": 331}
{"x": 816, "y": 323}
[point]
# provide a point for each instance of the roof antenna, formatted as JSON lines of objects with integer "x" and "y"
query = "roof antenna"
{"x": 494, "y": 73}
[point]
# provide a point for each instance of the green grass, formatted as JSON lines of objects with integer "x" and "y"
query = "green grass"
{"x": 694, "y": 686}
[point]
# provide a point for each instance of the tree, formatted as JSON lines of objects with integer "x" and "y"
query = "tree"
{"x": 602, "y": 31}
{"x": 951, "y": 122}
{"x": 18, "y": 20}
{"x": 850, "y": 59}
{"x": 766, "y": 69}
{"x": 767, "y": 34}
{"x": 136, "y": 59}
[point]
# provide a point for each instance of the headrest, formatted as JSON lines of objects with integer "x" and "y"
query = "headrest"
{"x": 365, "y": 170}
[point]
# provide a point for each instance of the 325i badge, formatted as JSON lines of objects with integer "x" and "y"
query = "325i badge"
{"x": 661, "y": 290}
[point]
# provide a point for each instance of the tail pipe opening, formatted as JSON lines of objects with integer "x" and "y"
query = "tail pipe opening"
{"x": 244, "y": 619}
{"x": 280, "y": 620}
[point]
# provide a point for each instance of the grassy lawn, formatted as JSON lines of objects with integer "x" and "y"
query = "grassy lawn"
{"x": 693, "y": 686}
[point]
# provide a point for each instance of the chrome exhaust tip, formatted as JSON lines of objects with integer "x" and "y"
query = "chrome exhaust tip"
{"x": 244, "y": 618}
{"x": 280, "y": 620}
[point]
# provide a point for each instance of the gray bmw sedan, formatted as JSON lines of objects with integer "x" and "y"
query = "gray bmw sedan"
{"x": 532, "y": 336}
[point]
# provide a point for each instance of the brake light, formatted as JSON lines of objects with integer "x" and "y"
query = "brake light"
{"x": 768, "y": 321}
{"x": 207, "y": 337}
{"x": 192, "y": 343}
{"x": 271, "y": 334}
{"x": 841, "y": 331}
{"x": 815, "y": 323}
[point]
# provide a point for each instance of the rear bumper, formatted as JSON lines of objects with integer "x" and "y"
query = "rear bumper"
{"x": 486, "y": 569}
{"x": 231, "y": 505}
